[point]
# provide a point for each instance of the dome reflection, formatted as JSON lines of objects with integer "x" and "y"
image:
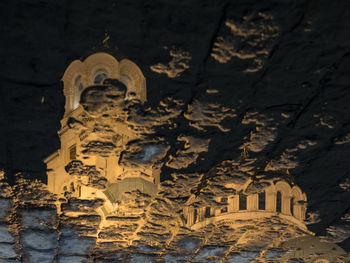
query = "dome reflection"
{"x": 108, "y": 198}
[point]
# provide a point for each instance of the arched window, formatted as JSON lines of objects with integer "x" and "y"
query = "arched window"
{"x": 195, "y": 216}
{"x": 78, "y": 88}
{"x": 207, "y": 212}
{"x": 224, "y": 209}
{"x": 262, "y": 201}
{"x": 242, "y": 202}
{"x": 73, "y": 152}
{"x": 100, "y": 76}
{"x": 292, "y": 206}
{"x": 279, "y": 202}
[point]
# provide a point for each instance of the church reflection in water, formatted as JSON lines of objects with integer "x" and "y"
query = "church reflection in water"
{"x": 114, "y": 207}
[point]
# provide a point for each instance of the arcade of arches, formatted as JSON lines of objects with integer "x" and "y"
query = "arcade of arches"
{"x": 277, "y": 199}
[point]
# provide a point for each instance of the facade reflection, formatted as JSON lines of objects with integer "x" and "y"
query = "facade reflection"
{"x": 109, "y": 161}
{"x": 278, "y": 199}
{"x": 85, "y": 167}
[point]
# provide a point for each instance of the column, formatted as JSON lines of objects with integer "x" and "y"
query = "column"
{"x": 286, "y": 204}
{"x": 252, "y": 202}
{"x": 235, "y": 203}
{"x": 270, "y": 200}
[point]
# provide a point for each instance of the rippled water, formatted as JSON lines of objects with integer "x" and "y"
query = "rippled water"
{"x": 44, "y": 229}
{"x": 108, "y": 198}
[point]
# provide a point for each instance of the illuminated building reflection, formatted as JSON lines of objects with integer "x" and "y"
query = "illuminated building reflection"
{"x": 109, "y": 164}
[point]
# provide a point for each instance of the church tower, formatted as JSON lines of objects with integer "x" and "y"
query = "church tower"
{"x": 94, "y": 133}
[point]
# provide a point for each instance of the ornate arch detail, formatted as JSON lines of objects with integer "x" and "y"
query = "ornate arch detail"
{"x": 73, "y": 69}
{"x": 290, "y": 205}
{"x": 298, "y": 194}
{"x": 132, "y": 77}
{"x": 101, "y": 62}
{"x": 299, "y": 199}
{"x": 283, "y": 187}
{"x": 125, "y": 71}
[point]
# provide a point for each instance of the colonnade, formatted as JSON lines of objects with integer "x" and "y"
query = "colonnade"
{"x": 278, "y": 198}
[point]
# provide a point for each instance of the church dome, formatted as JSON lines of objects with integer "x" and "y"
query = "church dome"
{"x": 94, "y": 70}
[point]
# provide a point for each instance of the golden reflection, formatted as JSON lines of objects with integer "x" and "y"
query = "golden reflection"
{"x": 277, "y": 199}
{"x": 106, "y": 176}
{"x": 89, "y": 164}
